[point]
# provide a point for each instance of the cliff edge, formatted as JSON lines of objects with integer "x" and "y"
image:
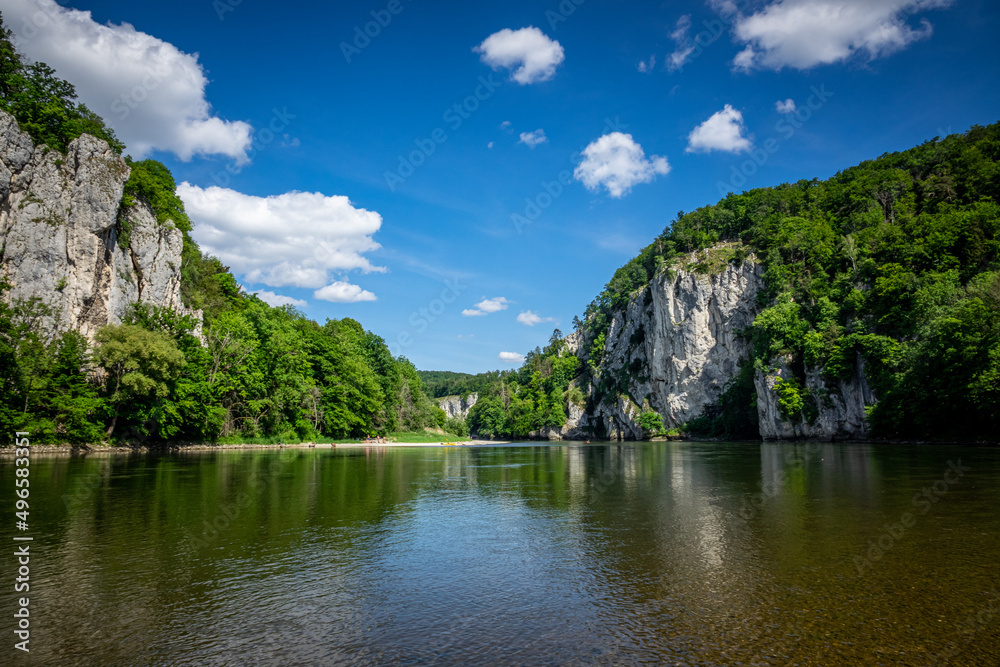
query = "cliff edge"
{"x": 67, "y": 240}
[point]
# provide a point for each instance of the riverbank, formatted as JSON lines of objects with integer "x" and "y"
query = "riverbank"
{"x": 89, "y": 450}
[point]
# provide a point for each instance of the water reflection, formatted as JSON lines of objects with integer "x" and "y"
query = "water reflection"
{"x": 714, "y": 553}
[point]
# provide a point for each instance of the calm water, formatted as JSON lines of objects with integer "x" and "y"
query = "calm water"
{"x": 660, "y": 553}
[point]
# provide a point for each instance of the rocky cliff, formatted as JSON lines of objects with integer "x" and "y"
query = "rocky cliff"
{"x": 839, "y": 405}
{"x": 456, "y": 406}
{"x": 674, "y": 347}
{"x": 677, "y": 344}
{"x": 60, "y": 219}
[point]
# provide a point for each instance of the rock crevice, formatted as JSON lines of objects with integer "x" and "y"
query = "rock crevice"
{"x": 58, "y": 217}
{"x": 677, "y": 344}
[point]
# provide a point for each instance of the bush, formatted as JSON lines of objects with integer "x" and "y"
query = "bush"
{"x": 650, "y": 422}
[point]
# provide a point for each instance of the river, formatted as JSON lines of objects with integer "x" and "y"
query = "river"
{"x": 660, "y": 553}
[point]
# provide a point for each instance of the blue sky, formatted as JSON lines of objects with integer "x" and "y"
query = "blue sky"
{"x": 284, "y": 137}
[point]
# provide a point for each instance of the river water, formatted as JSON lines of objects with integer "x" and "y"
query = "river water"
{"x": 660, "y": 553}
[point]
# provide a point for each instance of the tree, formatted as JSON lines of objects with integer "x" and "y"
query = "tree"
{"x": 77, "y": 409}
{"x": 139, "y": 367}
{"x": 650, "y": 422}
{"x": 43, "y": 104}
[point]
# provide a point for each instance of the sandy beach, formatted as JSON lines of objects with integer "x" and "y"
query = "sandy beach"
{"x": 458, "y": 443}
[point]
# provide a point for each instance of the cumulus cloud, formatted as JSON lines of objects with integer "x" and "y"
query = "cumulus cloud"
{"x": 148, "y": 90}
{"x": 487, "y": 306}
{"x": 277, "y": 300}
{"x": 645, "y": 66}
{"x": 744, "y": 60}
{"x": 342, "y": 292}
{"x": 788, "y": 106}
{"x": 617, "y": 162}
{"x": 529, "y": 52}
{"x": 530, "y": 318}
{"x": 806, "y": 33}
{"x": 724, "y": 131}
{"x": 293, "y": 239}
{"x": 532, "y": 139}
{"x": 683, "y": 46}
{"x": 511, "y": 357}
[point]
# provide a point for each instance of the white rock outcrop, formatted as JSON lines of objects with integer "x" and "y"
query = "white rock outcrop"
{"x": 59, "y": 221}
{"x": 840, "y": 405}
{"x": 456, "y": 406}
{"x": 675, "y": 346}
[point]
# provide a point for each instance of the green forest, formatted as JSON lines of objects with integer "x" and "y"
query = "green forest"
{"x": 262, "y": 374}
{"x": 896, "y": 259}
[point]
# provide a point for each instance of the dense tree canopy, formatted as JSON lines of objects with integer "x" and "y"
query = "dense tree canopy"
{"x": 896, "y": 259}
{"x": 256, "y": 371}
{"x": 894, "y": 262}
{"x": 43, "y": 104}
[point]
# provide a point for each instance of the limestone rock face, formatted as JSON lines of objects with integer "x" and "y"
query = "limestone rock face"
{"x": 841, "y": 405}
{"x": 456, "y": 406}
{"x": 575, "y": 428}
{"x": 675, "y": 346}
{"x": 59, "y": 218}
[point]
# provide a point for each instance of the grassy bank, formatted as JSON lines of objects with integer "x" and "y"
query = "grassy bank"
{"x": 424, "y": 436}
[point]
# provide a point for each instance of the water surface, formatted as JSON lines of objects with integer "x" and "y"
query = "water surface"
{"x": 660, "y": 553}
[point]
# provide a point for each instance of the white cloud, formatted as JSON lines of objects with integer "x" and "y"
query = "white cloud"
{"x": 341, "y": 292}
{"x": 149, "y": 91}
{"x": 681, "y": 30}
{"x": 724, "y": 7}
{"x": 744, "y": 59}
{"x": 506, "y": 125}
{"x": 532, "y": 139}
{"x": 684, "y": 47}
{"x": 645, "y": 66}
{"x": 676, "y": 59}
{"x": 511, "y": 357}
{"x": 297, "y": 238}
{"x": 487, "y": 306}
{"x": 617, "y": 162}
{"x": 806, "y": 33}
{"x": 722, "y": 132}
{"x": 277, "y": 300}
{"x": 530, "y": 318}
{"x": 788, "y": 106}
{"x": 534, "y": 55}
{"x": 489, "y": 145}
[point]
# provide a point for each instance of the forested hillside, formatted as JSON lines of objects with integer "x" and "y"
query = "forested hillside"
{"x": 259, "y": 372}
{"x": 897, "y": 259}
{"x": 895, "y": 262}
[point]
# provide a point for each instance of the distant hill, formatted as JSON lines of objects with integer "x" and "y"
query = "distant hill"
{"x": 448, "y": 383}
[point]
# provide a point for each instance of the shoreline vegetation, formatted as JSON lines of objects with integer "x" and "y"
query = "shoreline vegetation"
{"x": 890, "y": 269}
{"x": 242, "y": 371}
{"x": 7, "y": 452}
{"x": 162, "y": 448}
